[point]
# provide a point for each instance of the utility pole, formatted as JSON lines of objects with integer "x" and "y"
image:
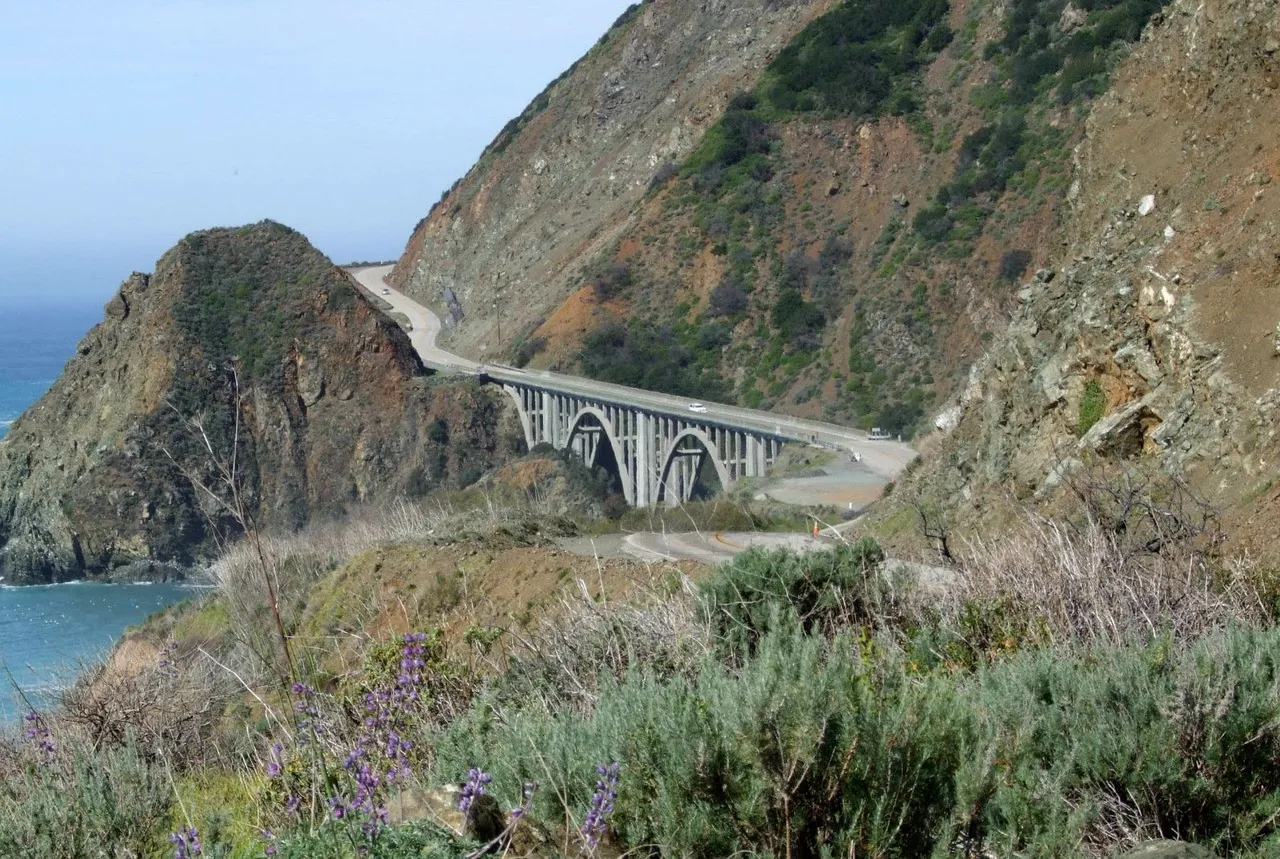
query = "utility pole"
{"x": 498, "y": 310}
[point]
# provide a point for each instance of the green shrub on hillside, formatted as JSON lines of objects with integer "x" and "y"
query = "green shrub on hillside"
{"x": 859, "y": 59}
{"x": 821, "y": 591}
{"x": 1093, "y": 404}
{"x": 650, "y": 357}
{"x": 94, "y": 803}
{"x": 815, "y": 748}
{"x": 250, "y": 294}
{"x": 1042, "y": 51}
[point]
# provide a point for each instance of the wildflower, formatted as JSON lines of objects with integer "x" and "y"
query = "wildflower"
{"x": 291, "y": 805}
{"x": 38, "y": 733}
{"x": 306, "y": 707}
{"x": 476, "y": 781}
{"x": 165, "y": 660}
{"x": 526, "y": 794}
{"x": 337, "y": 808}
{"x": 269, "y": 848}
{"x": 601, "y": 803}
{"x": 186, "y": 843}
{"x": 273, "y": 763}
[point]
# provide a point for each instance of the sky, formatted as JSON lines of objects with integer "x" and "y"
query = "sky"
{"x": 128, "y": 124}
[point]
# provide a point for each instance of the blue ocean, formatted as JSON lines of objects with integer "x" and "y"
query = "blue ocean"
{"x": 47, "y": 634}
{"x": 37, "y": 336}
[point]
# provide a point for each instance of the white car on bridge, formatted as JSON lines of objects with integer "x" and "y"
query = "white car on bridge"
{"x": 698, "y": 407}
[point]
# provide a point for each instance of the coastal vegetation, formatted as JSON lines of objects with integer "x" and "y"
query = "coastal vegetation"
{"x": 1075, "y": 688}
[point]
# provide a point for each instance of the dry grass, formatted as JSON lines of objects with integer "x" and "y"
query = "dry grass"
{"x": 1085, "y": 584}
{"x": 295, "y": 562}
{"x": 563, "y": 661}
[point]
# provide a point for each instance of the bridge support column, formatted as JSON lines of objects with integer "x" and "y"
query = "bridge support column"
{"x": 544, "y": 417}
{"x": 644, "y": 466}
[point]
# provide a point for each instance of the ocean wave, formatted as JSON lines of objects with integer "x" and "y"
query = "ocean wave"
{"x": 46, "y": 586}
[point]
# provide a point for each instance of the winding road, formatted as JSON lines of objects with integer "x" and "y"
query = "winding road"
{"x": 881, "y": 461}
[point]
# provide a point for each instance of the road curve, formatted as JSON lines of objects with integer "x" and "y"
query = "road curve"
{"x": 425, "y": 324}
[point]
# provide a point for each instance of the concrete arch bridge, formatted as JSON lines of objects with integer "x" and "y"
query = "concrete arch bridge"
{"x": 661, "y": 455}
{"x": 664, "y": 449}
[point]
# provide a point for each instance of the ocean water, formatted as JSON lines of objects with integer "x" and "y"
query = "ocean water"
{"x": 37, "y": 336}
{"x": 47, "y": 634}
{"x": 50, "y": 633}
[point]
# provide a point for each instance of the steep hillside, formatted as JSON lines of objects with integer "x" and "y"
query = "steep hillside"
{"x": 246, "y": 347}
{"x": 843, "y": 242}
{"x": 561, "y": 182}
{"x": 1152, "y": 339}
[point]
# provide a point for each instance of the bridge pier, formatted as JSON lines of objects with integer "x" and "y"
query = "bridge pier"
{"x": 660, "y": 454}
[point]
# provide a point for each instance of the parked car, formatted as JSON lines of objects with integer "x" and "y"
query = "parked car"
{"x": 386, "y": 291}
{"x": 878, "y": 434}
{"x": 697, "y": 407}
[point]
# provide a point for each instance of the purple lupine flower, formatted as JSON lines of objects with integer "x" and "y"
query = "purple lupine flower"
{"x": 274, "y": 767}
{"x": 186, "y": 843}
{"x": 601, "y": 803}
{"x": 477, "y": 779}
{"x": 526, "y": 798}
{"x": 307, "y": 707}
{"x": 38, "y": 733}
{"x": 269, "y": 848}
{"x": 291, "y": 805}
{"x": 337, "y": 808}
{"x": 165, "y": 660}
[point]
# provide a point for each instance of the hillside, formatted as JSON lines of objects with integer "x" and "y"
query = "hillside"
{"x": 246, "y": 347}
{"x": 842, "y": 239}
{"x": 1149, "y": 344}
{"x": 561, "y": 183}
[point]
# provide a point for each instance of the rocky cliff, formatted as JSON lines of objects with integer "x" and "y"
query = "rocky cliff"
{"x": 245, "y": 351}
{"x": 562, "y": 181}
{"x": 1151, "y": 337}
{"x": 820, "y": 208}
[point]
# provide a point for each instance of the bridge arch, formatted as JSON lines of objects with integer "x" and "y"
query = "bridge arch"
{"x": 671, "y": 454}
{"x": 525, "y": 422}
{"x": 606, "y": 426}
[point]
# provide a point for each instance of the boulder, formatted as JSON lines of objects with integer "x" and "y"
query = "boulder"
{"x": 1167, "y": 850}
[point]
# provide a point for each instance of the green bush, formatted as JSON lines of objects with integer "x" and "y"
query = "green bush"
{"x": 1036, "y": 57}
{"x": 858, "y": 59}
{"x": 1013, "y": 264}
{"x": 760, "y": 590}
{"x": 250, "y": 294}
{"x": 798, "y": 322}
{"x": 847, "y": 746}
{"x": 1093, "y": 404}
{"x": 97, "y": 803}
{"x": 651, "y": 357}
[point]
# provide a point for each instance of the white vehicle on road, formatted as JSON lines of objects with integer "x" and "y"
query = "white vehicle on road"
{"x": 697, "y": 407}
{"x": 878, "y": 434}
{"x": 386, "y": 291}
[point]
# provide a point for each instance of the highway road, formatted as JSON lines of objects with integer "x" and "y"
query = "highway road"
{"x": 425, "y": 324}
{"x": 885, "y": 458}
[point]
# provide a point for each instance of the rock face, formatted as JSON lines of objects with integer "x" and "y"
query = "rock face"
{"x": 247, "y": 345}
{"x": 1155, "y": 341}
{"x": 559, "y": 184}
{"x": 1167, "y": 850}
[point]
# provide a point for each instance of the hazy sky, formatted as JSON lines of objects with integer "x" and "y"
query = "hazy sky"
{"x": 127, "y": 124}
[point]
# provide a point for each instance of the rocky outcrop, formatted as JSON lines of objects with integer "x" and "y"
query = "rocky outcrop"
{"x": 1153, "y": 338}
{"x": 246, "y": 352}
{"x": 562, "y": 181}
